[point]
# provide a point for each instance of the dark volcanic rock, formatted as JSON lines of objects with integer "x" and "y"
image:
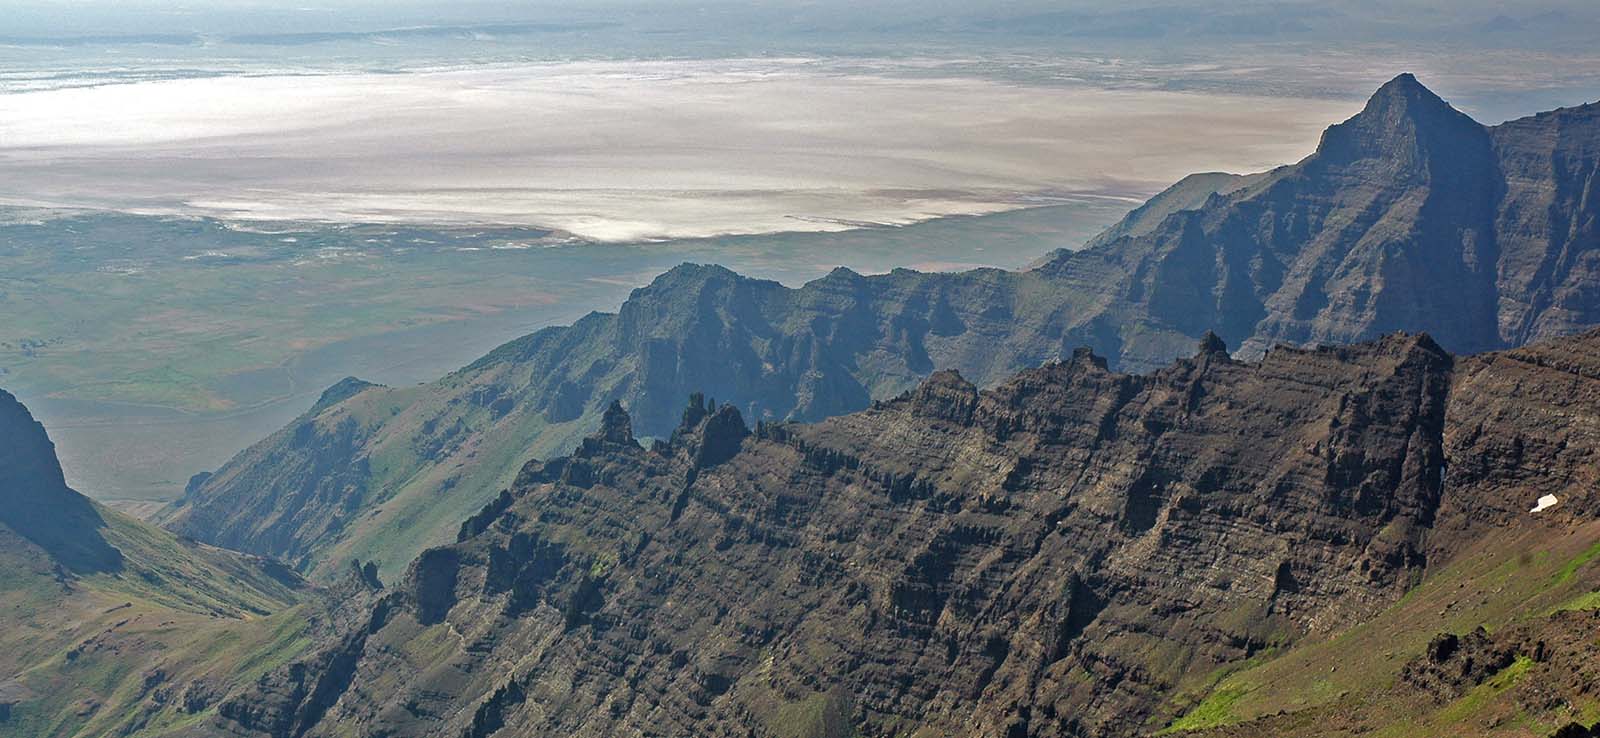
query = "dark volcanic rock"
{"x": 1523, "y": 425}
{"x": 616, "y": 427}
{"x": 1049, "y": 558}
{"x": 1454, "y": 664}
{"x": 1409, "y": 216}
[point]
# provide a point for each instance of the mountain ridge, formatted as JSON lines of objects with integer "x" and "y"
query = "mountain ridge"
{"x": 1062, "y": 555}
{"x": 1408, "y": 217}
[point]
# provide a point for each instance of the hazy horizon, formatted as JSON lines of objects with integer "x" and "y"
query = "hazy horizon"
{"x": 629, "y": 151}
{"x": 640, "y": 120}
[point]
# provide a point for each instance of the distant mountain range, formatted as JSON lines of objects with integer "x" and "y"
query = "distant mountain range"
{"x": 1409, "y": 216}
{"x": 1275, "y": 548}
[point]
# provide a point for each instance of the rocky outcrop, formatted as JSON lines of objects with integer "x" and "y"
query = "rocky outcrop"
{"x": 1453, "y": 664}
{"x": 1540, "y": 671}
{"x": 1409, "y": 216}
{"x": 1052, "y": 557}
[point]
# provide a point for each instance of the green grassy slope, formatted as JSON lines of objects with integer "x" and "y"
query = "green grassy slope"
{"x": 1351, "y": 684}
{"x": 422, "y": 497}
{"x": 141, "y": 650}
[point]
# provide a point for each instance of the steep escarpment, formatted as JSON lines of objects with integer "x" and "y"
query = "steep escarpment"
{"x": 1409, "y": 216}
{"x": 1052, "y": 557}
{"x": 1389, "y": 225}
{"x": 1547, "y": 223}
{"x": 1513, "y": 550}
{"x": 1523, "y": 426}
{"x": 385, "y": 472}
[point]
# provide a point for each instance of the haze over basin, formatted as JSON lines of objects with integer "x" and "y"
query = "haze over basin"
{"x": 615, "y": 151}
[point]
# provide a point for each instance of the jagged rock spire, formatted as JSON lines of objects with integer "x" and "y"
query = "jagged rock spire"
{"x": 712, "y": 434}
{"x": 694, "y": 413}
{"x": 722, "y": 437}
{"x": 1211, "y": 343}
{"x": 616, "y": 426}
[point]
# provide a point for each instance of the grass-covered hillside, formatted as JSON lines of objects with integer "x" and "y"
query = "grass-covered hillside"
{"x": 143, "y": 649}
{"x": 1374, "y": 680}
{"x": 112, "y": 627}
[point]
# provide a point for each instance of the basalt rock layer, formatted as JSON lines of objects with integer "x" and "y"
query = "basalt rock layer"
{"x": 1057, "y": 556}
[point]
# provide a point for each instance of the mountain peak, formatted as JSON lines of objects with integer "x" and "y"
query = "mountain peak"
{"x": 26, "y": 454}
{"x": 1410, "y": 95}
{"x": 1404, "y": 82}
{"x": 1400, "y": 126}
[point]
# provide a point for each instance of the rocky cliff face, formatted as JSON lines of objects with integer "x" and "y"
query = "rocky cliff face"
{"x": 1053, "y": 557}
{"x": 1547, "y": 223}
{"x": 1409, "y": 216}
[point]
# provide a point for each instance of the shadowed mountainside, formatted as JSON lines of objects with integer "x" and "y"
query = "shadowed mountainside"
{"x": 35, "y": 502}
{"x": 1410, "y": 216}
